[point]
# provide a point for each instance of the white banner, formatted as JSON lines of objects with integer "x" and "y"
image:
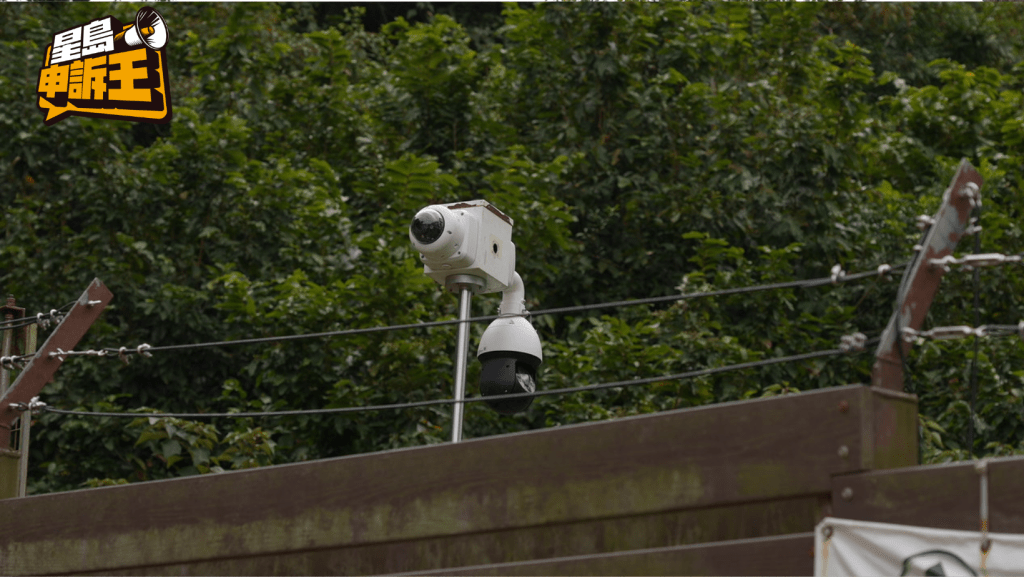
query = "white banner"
{"x": 857, "y": 548}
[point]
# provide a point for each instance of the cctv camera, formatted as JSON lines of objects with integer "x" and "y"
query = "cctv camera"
{"x": 439, "y": 234}
{"x": 465, "y": 238}
{"x": 510, "y": 354}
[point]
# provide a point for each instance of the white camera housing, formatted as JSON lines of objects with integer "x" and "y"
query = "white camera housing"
{"x": 469, "y": 238}
{"x": 511, "y": 334}
{"x": 510, "y": 353}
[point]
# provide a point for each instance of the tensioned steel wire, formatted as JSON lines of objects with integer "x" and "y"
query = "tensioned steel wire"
{"x": 18, "y": 323}
{"x": 837, "y": 277}
{"x": 38, "y": 318}
{"x": 414, "y": 404}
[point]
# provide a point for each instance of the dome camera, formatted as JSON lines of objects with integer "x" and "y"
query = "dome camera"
{"x": 438, "y": 234}
{"x": 427, "y": 226}
{"x": 510, "y": 354}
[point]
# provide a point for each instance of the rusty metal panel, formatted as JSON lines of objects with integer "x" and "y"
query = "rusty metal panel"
{"x": 713, "y": 456}
{"x": 940, "y": 496}
{"x": 41, "y": 368}
{"x": 779, "y": 555}
{"x": 923, "y": 278}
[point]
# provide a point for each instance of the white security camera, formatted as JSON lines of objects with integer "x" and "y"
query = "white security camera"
{"x": 465, "y": 238}
{"x": 510, "y": 353}
{"x": 467, "y": 247}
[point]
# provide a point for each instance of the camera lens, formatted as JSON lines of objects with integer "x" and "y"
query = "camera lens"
{"x": 427, "y": 225}
{"x": 505, "y": 374}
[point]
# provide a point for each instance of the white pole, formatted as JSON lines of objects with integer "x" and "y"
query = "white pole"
{"x": 461, "y": 354}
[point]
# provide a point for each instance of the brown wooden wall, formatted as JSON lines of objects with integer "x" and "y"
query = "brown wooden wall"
{"x": 941, "y": 496}
{"x": 733, "y": 489}
{"x": 791, "y": 554}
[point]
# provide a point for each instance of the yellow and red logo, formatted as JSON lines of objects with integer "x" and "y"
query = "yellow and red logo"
{"x": 104, "y": 69}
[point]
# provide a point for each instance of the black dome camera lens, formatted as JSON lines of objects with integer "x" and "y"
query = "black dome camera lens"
{"x": 508, "y": 373}
{"x": 427, "y": 225}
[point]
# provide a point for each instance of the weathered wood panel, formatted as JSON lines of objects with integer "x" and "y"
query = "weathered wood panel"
{"x": 892, "y": 443}
{"x": 941, "y": 496}
{"x": 565, "y": 491}
{"x": 780, "y": 555}
{"x": 8, "y": 473}
{"x": 743, "y": 520}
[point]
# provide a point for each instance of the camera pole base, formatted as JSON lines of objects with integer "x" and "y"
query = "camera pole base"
{"x": 465, "y": 285}
{"x": 457, "y": 282}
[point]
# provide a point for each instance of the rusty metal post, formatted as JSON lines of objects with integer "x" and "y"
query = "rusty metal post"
{"x": 921, "y": 280}
{"x": 42, "y": 366}
{"x": 9, "y": 460}
{"x": 25, "y": 434}
{"x": 10, "y": 312}
{"x": 5, "y": 374}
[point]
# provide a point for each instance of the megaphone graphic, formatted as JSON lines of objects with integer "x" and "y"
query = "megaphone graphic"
{"x": 149, "y": 29}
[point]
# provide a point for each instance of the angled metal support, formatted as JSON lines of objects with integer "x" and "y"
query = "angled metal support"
{"x": 921, "y": 280}
{"x": 42, "y": 366}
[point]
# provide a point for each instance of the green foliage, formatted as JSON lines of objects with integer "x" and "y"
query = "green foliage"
{"x": 642, "y": 150}
{"x": 905, "y": 38}
{"x": 171, "y": 447}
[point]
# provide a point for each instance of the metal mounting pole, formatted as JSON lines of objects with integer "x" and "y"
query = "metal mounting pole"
{"x": 24, "y": 434}
{"x": 465, "y": 285}
{"x": 25, "y": 421}
{"x": 5, "y": 350}
{"x": 11, "y": 312}
{"x": 461, "y": 354}
{"x": 9, "y": 471}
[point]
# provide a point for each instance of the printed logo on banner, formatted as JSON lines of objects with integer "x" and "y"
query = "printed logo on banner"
{"x": 936, "y": 562}
{"x": 104, "y": 69}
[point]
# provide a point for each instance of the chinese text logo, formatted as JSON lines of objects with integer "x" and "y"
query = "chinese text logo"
{"x": 106, "y": 70}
